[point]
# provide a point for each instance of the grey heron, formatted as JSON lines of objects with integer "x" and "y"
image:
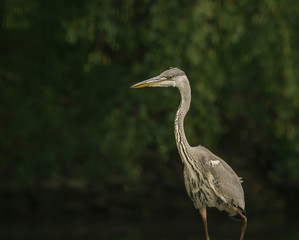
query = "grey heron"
{"x": 209, "y": 180}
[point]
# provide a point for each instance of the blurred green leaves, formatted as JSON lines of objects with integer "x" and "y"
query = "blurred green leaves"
{"x": 67, "y": 111}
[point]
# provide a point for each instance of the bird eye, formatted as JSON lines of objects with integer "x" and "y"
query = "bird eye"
{"x": 170, "y": 77}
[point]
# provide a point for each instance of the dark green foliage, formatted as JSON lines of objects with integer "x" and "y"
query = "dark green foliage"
{"x": 68, "y": 117}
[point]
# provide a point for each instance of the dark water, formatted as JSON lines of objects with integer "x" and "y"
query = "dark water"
{"x": 91, "y": 227}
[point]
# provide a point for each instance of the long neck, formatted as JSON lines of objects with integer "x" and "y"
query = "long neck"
{"x": 179, "y": 131}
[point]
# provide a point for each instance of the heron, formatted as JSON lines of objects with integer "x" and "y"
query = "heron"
{"x": 209, "y": 180}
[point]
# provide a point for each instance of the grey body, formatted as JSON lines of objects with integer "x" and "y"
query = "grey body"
{"x": 209, "y": 181}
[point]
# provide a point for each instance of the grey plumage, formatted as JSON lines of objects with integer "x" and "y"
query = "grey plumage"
{"x": 224, "y": 185}
{"x": 209, "y": 180}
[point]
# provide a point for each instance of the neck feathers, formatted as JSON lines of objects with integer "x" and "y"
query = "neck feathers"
{"x": 179, "y": 131}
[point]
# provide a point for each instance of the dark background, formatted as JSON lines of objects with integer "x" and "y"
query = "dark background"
{"x": 83, "y": 156}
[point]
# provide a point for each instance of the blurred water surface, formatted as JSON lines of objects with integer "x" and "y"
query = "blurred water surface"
{"x": 90, "y": 227}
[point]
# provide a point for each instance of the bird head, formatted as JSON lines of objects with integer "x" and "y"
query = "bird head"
{"x": 168, "y": 78}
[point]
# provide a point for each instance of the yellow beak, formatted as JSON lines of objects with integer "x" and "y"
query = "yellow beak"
{"x": 155, "y": 81}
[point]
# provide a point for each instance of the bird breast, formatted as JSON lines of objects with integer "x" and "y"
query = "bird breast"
{"x": 199, "y": 189}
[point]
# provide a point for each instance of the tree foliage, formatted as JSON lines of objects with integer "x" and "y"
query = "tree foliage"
{"x": 68, "y": 116}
